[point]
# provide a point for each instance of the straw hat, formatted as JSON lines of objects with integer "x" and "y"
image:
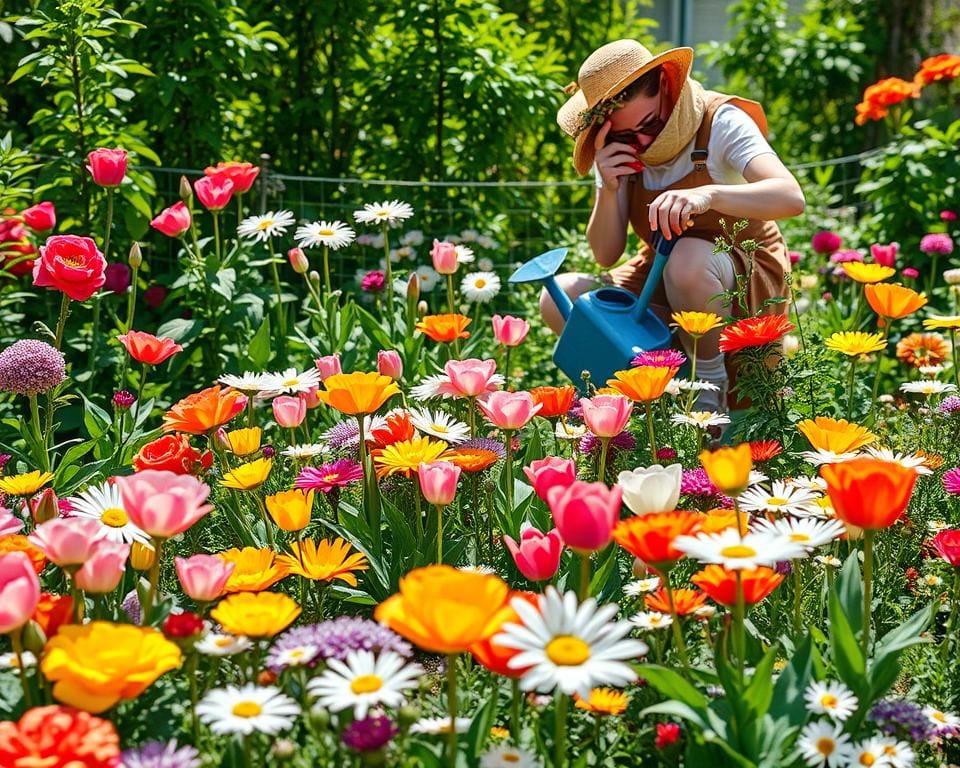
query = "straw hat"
{"x": 610, "y": 69}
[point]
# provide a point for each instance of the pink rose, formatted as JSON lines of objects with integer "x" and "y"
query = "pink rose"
{"x": 70, "y": 264}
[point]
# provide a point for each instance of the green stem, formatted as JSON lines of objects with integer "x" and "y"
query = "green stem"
{"x": 154, "y": 578}
{"x": 584, "y": 591}
{"x": 867, "y": 589}
{"x": 952, "y": 622}
{"x": 602, "y": 466}
{"x": 677, "y": 631}
{"x": 506, "y": 368}
{"x": 419, "y": 511}
{"x": 38, "y": 433}
{"x": 389, "y": 280}
{"x": 62, "y": 320}
{"x": 515, "y": 701}
{"x": 327, "y": 285}
{"x": 797, "y": 598}
{"x": 858, "y": 297}
{"x": 650, "y": 434}
{"x": 472, "y": 410}
{"x": 16, "y": 640}
{"x": 560, "y": 731}
{"x": 452, "y": 706}
{"x": 193, "y": 698}
{"x": 850, "y": 383}
{"x": 216, "y": 236}
{"x": 508, "y": 469}
{"x": 143, "y": 379}
{"x": 267, "y": 524}
{"x": 451, "y": 301}
{"x": 439, "y": 534}
{"x": 739, "y": 637}
{"x": 691, "y": 397}
{"x": 281, "y": 313}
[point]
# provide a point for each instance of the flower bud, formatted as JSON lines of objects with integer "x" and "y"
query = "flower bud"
{"x": 407, "y": 715}
{"x": 135, "y": 257}
{"x": 45, "y": 507}
{"x": 314, "y": 278}
{"x": 283, "y": 749}
{"x": 298, "y": 260}
{"x": 33, "y": 638}
{"x": 186, "y": 191}
{"x": 123, "y": 400}
{"x": 422, "y": 309}
{"x": 142, "y": 557}
{"x": 266, "y": 677}
{"x": 319, "y": 717}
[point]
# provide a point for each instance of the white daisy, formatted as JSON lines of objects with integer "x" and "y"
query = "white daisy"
{"x": 248, "y": 709}
{"x": 291, "y": 382}
{"x": 469, "y": 235}
{"x": 927, "y": 387}
{"x": 365, "y": 680}
{"x": 431, "y": 386}
{"x": 807, "y": 531}
{"x": 262, "y": 228}
{"x": 685, "y": 385}
{"x": 652, "y": 620}
{"x": 246, "y": 382}
{"x": 756, "y": 477}
{"x": 727, "y": 548}
{"x": 428, "y": 278}
{"x": 439, "y": 424}
{"x": 405, "y": 252}
{"x": 641, "y": 586}
{"x": 484, "y": 570}
{"x": 218, "y": 644}
{"x": 831, "y": 698}
{"x": 505, "y": 756}
{"x": 828, "y": 561}
{"x": 485, "y": 263}
{"x": 822, "y": 456}
{"x": 567, "y": 431}
{"x": 9, "y": 660}
{"x": 931, "y": 370}
{"x": 909, "y": 460}
{"x": 434, "y": 726}
{"x": 824, "y": 743}
{"x": 935, "y": 526}
{"x": 899, "y": 754}
{"x": 706, "y": 612}
{"x": 782, "y": 499}
{"x": 816, "y": 484}
{"x": 390, "y": 213}
{"x": 701, "y": 419}
{"x": 939, "y": 718}
{"x": 480, "y": 287}
{"x": 333, "y": 234}
{"x": 570, "y": 646}
{"x": 485, "y": 241}
{"x": 870, "y": 752}
{"x": 104, "y": 503}
{"x": 413, "y": 237}
{"x": 307, "y": 451}
{"x": 932, "y": 580}
{"x": 464, "y": 255}
{"x": 295, "y": 656}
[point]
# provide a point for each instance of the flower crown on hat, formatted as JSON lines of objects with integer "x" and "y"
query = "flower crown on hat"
{"x": 599, "y": 112}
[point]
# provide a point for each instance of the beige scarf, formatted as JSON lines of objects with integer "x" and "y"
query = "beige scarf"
{"x": 681, "y": 127}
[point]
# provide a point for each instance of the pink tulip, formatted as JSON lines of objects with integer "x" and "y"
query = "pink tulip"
{"x": 104, "y": 569}
{"x": 390, "y": 364}
{"x": 19, "y": 591}
{"x": 438, "y": 482}
{"x": 886, "y": 255}
{"x": 203, "y": 577}
{"x": 107, "y": 166}
{"x": 215, "y": 192}
{"x": 606, "y": 415}
{"x": 510, "y": 331}
{"x": 289, "y": 412}
{"x": 298, "y": 260}
{"x": 537, "y": 556}
{"x": 471, "y": 377}
{"x": 9, "y": 523}
{"x": 162, "y": 503}
{"x": 444, "y": 257}
{"x": 172, "y": 221}
{"x": 328, "y": 365}
{"x": 68, "y": 542}
{"x": 509, "y": 410}
{"x": 910, "y": 273}
{"x": 550, "y": 472}
{"x": 585, "y": 514}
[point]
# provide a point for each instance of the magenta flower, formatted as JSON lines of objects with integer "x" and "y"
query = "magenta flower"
{"x": 373, "y": 281}
{"x": 951, "y": 481}
{"x": 336, "y": 474}
{"x": 936, "y": 243}
{"x": 948, "y": 215}
{"x": 660, "y": 358}
{"x": 826, "y": 242}
{"x": 851, "y": 254}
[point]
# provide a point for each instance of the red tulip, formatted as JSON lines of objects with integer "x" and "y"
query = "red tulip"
{"x": 241, "y": 174}
{"x": 947, "y": 544}
{"x": 107, "y": 166}
{"x": 147, "y": 348}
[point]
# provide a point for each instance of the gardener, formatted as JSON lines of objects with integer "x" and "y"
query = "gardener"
{"x": 671, "y": 157}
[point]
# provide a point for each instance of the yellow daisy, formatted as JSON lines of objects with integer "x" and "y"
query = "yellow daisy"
{"x": 248, "y": 476}
{"x": 697, "y": 323}
{"x": 867, "y": 273}
{"x": 405, "y": 456}
{"x": 26, "y": 484}
{"x": 855, "y": 343}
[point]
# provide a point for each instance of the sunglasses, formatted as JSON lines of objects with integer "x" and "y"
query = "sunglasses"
{"x": 651, "y": 127}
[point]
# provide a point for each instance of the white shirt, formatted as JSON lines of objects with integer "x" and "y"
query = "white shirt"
{"x": 734, "y": 141}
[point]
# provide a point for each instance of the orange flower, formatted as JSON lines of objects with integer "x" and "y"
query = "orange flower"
{"x": 642, "y": 384}
{"x": 721, "y": 584}
{"x": 603, "y": 701}
{"x": 754, "y": 332}
{"x": 495, "y": 657}
{"x": 764, "y": 450}
{"x": 728, "y": 468}
{"x": 147, "y": 348}
{"x": 867, "y": 492}
{"x": 20, "y": 543}
{"x": 945, "y": 66}
{"x": 325, "y": 561}
{"x": 58, "y": 737}
{"x": 202, "y": 411}
{"x": 837, "y": 435}
{"x": 445, "y": 610}
{"x": 397, "y": 427}
{"x": 893, "y": 301}
{"x": 471, "y": 459}
{"x": 445, "y": 327}
{"x": 717, "y": 520}
{"x": 357, "y": 393}
{"x": 882, "y": 94}
{"x": 52, "y": 612}
{"x": 554, "y": 401}
{"x": 254, "y": 569}
{"x": 651, "y": 537}
{"x": 919, "y": 349}
{"x": 685, "y": 601}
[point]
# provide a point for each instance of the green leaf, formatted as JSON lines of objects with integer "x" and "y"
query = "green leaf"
{"x": 260, "y": 347}
{"x": 845, "y": 650}
{"x": 672, "y": 685}
{"x": 787, "y": 701}
{"x": 180, "y": 329}
{"x": 885, "y": 667}
{"x": 480, "y": 726}
{"x": 849, "y": 586}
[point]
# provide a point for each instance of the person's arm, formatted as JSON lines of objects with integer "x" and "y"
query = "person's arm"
{"x": 607, "y": 228}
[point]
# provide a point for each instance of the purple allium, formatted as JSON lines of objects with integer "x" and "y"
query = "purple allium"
{"x": 951, "y": 481}
{"x": 370, "y": 734}
{"x": 344, "y": 434}
{"x": 338, "y": 637}
{"x": 694, "y": 482}
{"x": 335, "y": 474}
{"x": 268, "y": 451}
{"x": 936, "y": 243}
{"x": 122, "y": 400}
{"x": 373, "y": 281}
{"x": 30, "y": 366}
{"x": 901, "y": 718}
{"x": 625, "y": 441}
{"x": 131, "y": 606}
{"x": 826, "y": 242}
{"x": 158, "y": 754}
{"x": 948, "y": 406}
{"x": 660, "y": 358}
{"x": 484, "y": 444}
{"x": 666, "y": 453}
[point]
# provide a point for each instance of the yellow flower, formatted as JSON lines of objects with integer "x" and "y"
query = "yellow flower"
{"x": 729, "y": 468}
{"x": 326, "y": 562}
{"x": 697, "y": 324}
{"x": 357, "y": 393}
{"x": 951, "y": 323}
{"x": 604, "y": 701}
{"x": 142, "y": 556}
{"x": 253, "y": 569}
{"x": 25, "y": 485}
{"x": 248, "y": 476}
{"x": 405, "y": 456}
{"x": 93, "y": 666}
{"x": 261, "y": 614}
{"x": 867, "y": 273}
{"x": 837, "y": 435}
{"x": 243, "y": 442}
{"x": 290, "y": 510}
{"x": 855, "y": 343}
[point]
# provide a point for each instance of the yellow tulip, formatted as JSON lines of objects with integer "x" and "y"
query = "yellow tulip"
{"x": 243, "y": 442}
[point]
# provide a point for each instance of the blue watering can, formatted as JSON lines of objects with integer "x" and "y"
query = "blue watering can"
{"x": 605, "y": 329}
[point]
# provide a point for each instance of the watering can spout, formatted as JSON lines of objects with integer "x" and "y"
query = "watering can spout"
{"x": 542, "y": 270}
{"x": 662, "y": 248}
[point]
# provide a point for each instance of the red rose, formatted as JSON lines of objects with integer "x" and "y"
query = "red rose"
{"x": 667, "y": 734}
{"x": 107, "y": 166}
{"x": 214, "y": 192}
{"x": 185, "y": 624}
{"x": 117, "y": 277}
{"x": 241, "y": 174}
{"x": 172, "y": 221}
{"x": 174, "y": 454}
{"x": 70, "y": 264}
{"x": 40, "y": 217}
{"x": 947, "y": 544}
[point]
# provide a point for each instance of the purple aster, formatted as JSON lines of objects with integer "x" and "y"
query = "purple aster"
{"x": 694, "y": 482}
{"x": 936, "y": 244}
{"x": 784, "y": 567}
{"x": 901, "y": 718}
{"x": 30, "y": 366}
{"x": 660, "y": 358}
{"x": 949, "y": 405}
{"x": 335, "y": 474}
{"x": 337, "y": 637}
{"x": 951, "y": 481}
{"x": 625, "y": 441}
{"x": 158, "y": 754}
{"x": 344, "y": 434}
{"x": 370, "y": 734}
{"x": 485, "y": 444}
{"x": 268, "y": 451}
{"x": 373, "y": 281}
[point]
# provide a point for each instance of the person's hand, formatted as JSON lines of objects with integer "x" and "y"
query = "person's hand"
{"x": 672, "y": 211}
{"x": 612, "y": 158}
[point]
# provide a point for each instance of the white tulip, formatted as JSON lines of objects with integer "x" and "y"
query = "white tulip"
{"x": 647, "y": 490}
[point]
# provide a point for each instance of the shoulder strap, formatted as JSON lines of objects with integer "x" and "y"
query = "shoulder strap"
{"x": 699, "y": 154}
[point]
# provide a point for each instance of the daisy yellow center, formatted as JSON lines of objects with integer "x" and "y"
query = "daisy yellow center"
{"x": 263, "y": 226}
{"x": 223, "y": 642}
{"x": 738, "y": 550}
{"x": 567, "y": 651}
{"x": 246, "y": 709}
{"x": 777, "y": 501}
{"x": 799, "y": 537}
{"x": 826, "y": 746}
{"x": 297, "y": 654}
{"x": 828, "y": 700}
{"x": 890, "y": 750}
{"x": 654, "y": 620}
{"x": 440, "y": 428}
{"x": 366, "y": 684}
{"x": 114, "y": 517}
{"x": 331, "y": 478}
{"x": 327, "y": 233}
{"x": 938, "y": 716}
{"x": 510, "y": 757}
{"x": 480, "y": 283}
{"x": 867, "y": 759}
{"x": 291, "y": 382}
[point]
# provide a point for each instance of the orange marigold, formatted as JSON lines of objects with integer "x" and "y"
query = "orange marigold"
{"x": 919, "y": 349}
{"x": 397, "y": 427}
{"x": 202, "y": 411}
{"x": 882, "y": 94}
{"x": 20, "y": 543}
{"x": 945, "y": 66}
{"x": 685, "y": 601}
{"x": 445, "y": 327}
{"x": 754, "y": 332}
{"x": 471, "y": 459}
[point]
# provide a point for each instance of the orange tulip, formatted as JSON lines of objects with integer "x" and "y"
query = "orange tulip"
{"x": 867, "y": 492}
{"x": 642, "y": 384}
{"x": 444, "y": 610}
{"x": 893, "y": 301}
{"x": 685, "y": 601}
{"x": 357, "y": 393}
{"x": 495, "y": 657}
{"x": 445, "y": 327}
{"x": 837, "y": 435}
{"x": 147, "y": 348}
{"x": 198, "y": 413}
{"x": 554, "y": 401}
{"x": 651, "y": 537}
{"x": 721, "y": 584}
{"x": 729, "y": 468}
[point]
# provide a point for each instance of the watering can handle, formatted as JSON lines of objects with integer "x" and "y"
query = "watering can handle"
{"x": 662, "y": 248}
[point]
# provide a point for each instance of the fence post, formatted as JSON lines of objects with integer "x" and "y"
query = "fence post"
{"x": 264, "y": 170}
